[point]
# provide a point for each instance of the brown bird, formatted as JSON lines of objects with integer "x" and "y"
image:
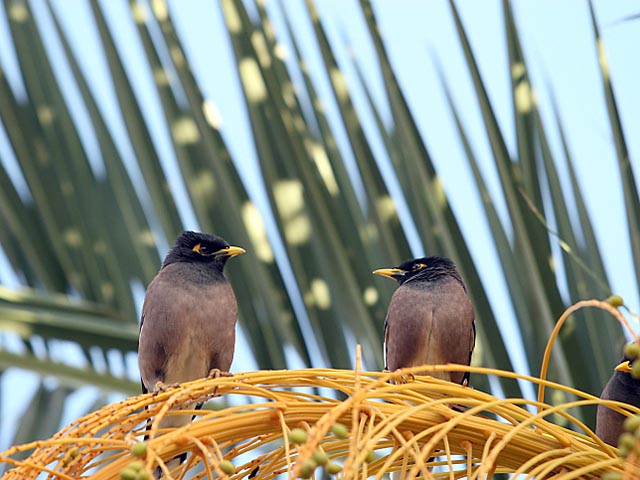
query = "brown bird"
{"x": 621, "y": 387}
{"x": 189, "y": 316}
{"x": 430, "y": 320}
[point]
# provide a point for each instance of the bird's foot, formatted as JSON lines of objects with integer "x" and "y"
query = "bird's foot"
{"x": 217, "y": 373}
{"x": 163, "y": 387}
{"x": 406, "y": 377}
{"x": 399, "y": 378}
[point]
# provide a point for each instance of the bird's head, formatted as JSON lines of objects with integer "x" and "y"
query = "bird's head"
{"x": 626, "y": 372}
{"x": 201, "y": 248}
{"x": 625, "y": 375}
{"x": 424, "y": 268}
{"x": 624, "y": 366}
{"x": 630, "y": 359}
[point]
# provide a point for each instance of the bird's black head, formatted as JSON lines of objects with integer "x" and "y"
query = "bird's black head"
{"x": 623, "y": 369}
{"x": 622, "y": 376}
{"x": 201, "y": 248}
{"x": 425, "y": 268}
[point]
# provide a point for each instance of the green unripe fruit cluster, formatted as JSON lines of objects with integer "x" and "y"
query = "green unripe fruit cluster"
{"x": 320, "y": 457}
{"x": 307, "y": 469}
{"x": 631, "y": 424}
{"x": 134, "y": 471}
{"x": 227, "y": 467}
{"x": 615, "y": 300}
{"x": 139, "y": 450}
{"x": 631, "y": 350}
{"x": 339, "y": 430}
{"x": 128, "y": 474}
{"x": 612, "y": 476}
{"x": 626, "y": 442}
{"x": 298, "y": 436}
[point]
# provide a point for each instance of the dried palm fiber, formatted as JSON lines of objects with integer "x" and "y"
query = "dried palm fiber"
{"x": 471, "y": 433}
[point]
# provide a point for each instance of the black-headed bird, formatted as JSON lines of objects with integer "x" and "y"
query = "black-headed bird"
{"x": 430, "y": 319}
{"x": 189, "y": 317}
{"x": 621, "y": 387}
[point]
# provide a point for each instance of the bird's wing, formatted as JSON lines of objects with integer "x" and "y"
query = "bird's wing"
{"x": 144, "y": 387}
{"x": 467, "y": 375}
{"x": 141, "y": 321}
{"x": 609, "y": 423}
{"x": 385, "y": 344}
{"x": 473, "y": 340}
{"x": 464, "y": 317}
{"x": 151, "y": 356}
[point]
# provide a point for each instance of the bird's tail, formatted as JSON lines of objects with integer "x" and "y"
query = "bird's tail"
{"x": 404, "y": 472}
{"x": 172, "y": 464}
{"x": 174, "y": 421}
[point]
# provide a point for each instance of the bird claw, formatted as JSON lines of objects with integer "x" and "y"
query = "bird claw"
{"x": 217, "y": 373}
{"x": 162, "y": 387}
{"x": 401, "y": 378}
{"x": 406, "y": 378}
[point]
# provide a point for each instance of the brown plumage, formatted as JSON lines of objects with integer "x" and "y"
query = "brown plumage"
{"x": 430, "y": 319}
{"x": 621, "y": 387}
{"x": 188, "y": 317}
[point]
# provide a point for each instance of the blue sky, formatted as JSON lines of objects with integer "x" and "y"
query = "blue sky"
{"x": 559, "y": 48}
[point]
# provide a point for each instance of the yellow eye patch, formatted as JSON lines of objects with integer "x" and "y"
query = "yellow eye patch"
{"x": 228, "y": 251}
{"x": 202, "y": 250}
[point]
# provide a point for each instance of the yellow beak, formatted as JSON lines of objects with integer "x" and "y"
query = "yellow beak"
{"x": 624, "y": 367}
{"x": 389, "y": 272}
{"x": 232, "y": 251}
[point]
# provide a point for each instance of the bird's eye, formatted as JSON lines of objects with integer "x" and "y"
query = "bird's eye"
{"x": 418, "y": 266}
{"x": 201, "y": 249}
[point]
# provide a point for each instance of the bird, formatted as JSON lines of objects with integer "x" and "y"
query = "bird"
{"x": 187, "y": 329}
{"x": 621, "y": 387}
{"x": 430, "y": 319}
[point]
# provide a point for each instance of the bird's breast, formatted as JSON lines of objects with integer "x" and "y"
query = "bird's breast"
{"x": 188, "y": 329}
{"x": 428, "y": 324}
